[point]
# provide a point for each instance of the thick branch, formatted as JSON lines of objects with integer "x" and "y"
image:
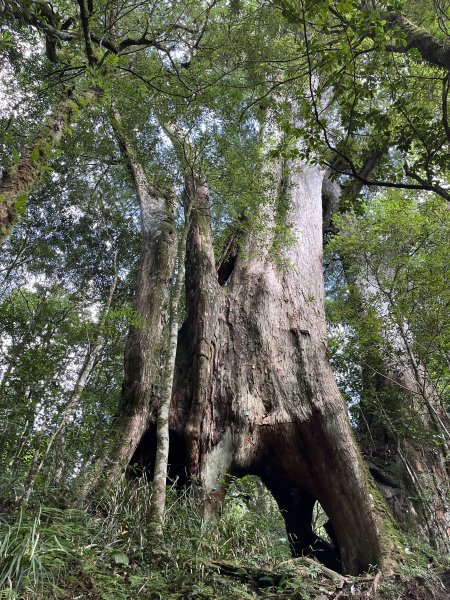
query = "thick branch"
{"x": 50, "y": 30}
{"x": 19, "y": 180}
{"x": 86, "y": 33}
{"x": 432, "y": 49}
{"x": 445, "y": 88}
{"x": 422, "y": 185}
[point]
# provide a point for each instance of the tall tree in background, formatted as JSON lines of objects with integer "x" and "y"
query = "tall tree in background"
{"x": 385, "y": 123}
{"x": 399, "y": 294}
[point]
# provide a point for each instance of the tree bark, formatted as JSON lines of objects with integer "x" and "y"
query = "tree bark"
{"x": 145, "y": 350}
{"x": 141, "y": 387}
{"x": 19, "y": 180}
{"x": 411, "y": 470}
{"x": 158, "y": 506}
{"x": 254, "y": 392}
{"x": 433, "y": 50}
{"x": 193, "y": 192}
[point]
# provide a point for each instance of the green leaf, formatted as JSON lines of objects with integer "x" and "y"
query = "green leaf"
{"x": 21, "y": 204}
{"x": 120, "y": 558}
{"x": 35, "y": 155}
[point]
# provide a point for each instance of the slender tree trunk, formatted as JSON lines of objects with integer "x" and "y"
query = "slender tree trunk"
{"x": 40, "y": 457}
{"x": 83, "y": 377}
{"x": 59, "y": 467}
{"x": 19, "y": 180}
{"x": 163, "y": 412}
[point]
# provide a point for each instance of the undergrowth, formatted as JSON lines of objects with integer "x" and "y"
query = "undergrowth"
{"x": 108, "y": 552}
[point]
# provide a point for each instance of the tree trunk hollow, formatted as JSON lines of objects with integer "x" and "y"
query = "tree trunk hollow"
{"x": 254, "y": 392}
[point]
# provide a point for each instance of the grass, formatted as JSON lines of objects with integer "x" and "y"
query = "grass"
{"x": 36, "y": 548}
{"x": 109, "y": 552}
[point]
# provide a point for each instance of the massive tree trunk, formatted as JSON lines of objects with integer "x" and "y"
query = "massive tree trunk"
{"x": 19, "y": 180}
{"x": 403, "y": 428}
{"x": 254, "y": 392}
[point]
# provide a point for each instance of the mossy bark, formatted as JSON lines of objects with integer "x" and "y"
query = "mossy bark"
{"x": 432, "y": 49}
{"x": 145, "y": 351}
{"x": 19, "y": 180}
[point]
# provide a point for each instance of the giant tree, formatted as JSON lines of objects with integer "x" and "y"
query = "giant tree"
{"x": 253, "y": 390}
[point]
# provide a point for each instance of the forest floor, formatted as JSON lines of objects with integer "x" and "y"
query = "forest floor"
{"x": 315, "y": 582}
{"x": 106, "y": 551}
{"x": 292, "y": 585}
{"x": 328, "y": 585}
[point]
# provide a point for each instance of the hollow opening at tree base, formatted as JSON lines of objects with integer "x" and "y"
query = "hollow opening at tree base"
{"x": 298, "y": 519}
{"x": 285, "y": 515}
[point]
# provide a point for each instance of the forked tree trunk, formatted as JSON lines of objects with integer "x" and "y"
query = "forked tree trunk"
{"x": 255, "y": 393}
{"x": 145, "y": 347}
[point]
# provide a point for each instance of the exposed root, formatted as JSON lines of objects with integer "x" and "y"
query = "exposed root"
{"x": 321, "y": 583}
